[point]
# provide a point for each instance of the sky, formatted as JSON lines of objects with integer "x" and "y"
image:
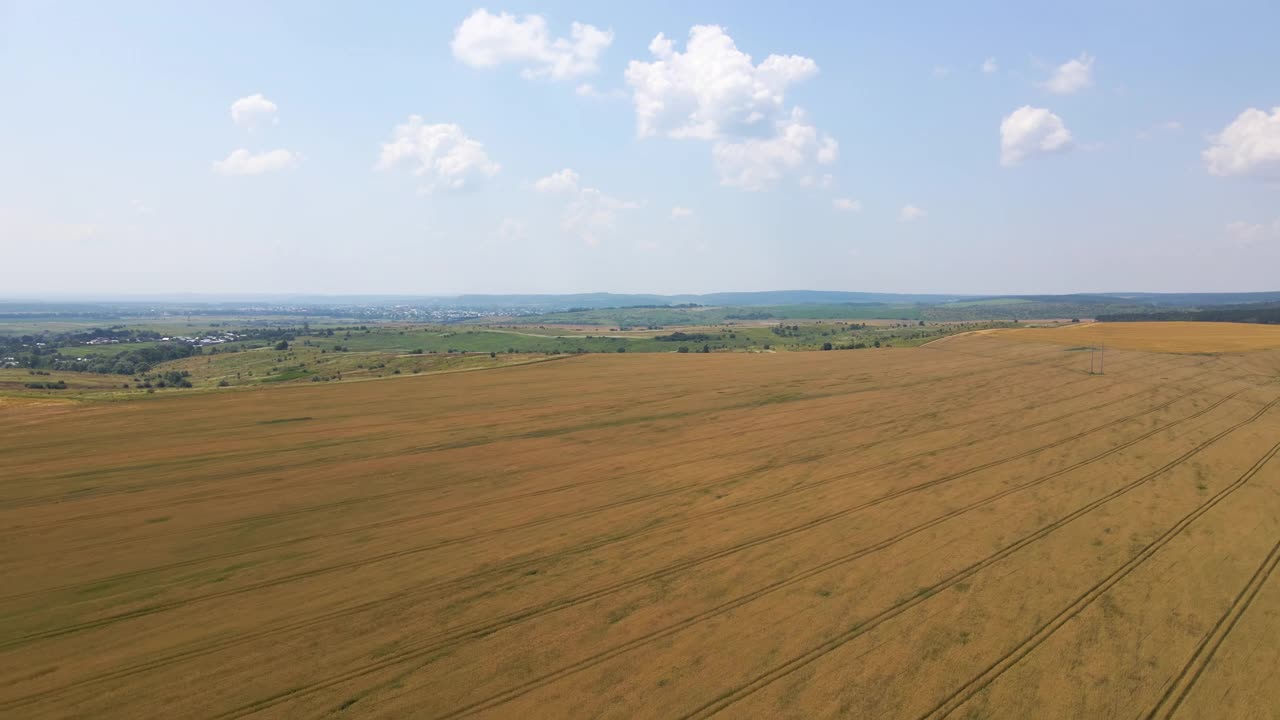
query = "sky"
{"x": 668, "y": 147}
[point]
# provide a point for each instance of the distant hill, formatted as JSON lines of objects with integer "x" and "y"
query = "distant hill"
{"x": 768, "y": 297}
{"x": 1083, "y": 303}
{"x": 1265, "y": 313}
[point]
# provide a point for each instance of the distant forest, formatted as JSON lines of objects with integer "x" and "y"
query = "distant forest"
{"x": 1264, "y": 313}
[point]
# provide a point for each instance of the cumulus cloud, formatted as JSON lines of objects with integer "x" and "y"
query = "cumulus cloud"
{"x": 486, "y": 40}
{"x": 758, "y": 163}
{"x": 911, "y": 213}
{"x": 989, "y": 66}
{"x": 847, "y": 204}
{"x": 715, "y": 92}
{"x": 712, "y": 89}
{"x": 678, "y": 212}
{"x": 1071, "y": 76}
{"x": 1027, "y": 131}
{"x": 590, "y": 213}
{"x": 1248, "y": 147}
{"x": 593, "y": 215}
{"x": 253, "y": 111}
{"x": 243, "y": 162}
{"x": 441, "y": 155}
{"x": 565, "y": 180}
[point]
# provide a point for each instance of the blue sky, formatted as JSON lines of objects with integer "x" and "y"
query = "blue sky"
{"x": 399, "y": 147}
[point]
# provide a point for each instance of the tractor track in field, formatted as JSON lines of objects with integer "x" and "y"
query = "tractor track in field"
{"x": 1178, "y": 690}
{"x": 72, "y": 496}
{"x": 463, "y": 634}
{"x": 953, "y": 701}
{"x": 531, "y": 685}
{"x": 410, "y": 491}
{"x": 586, "y": 512}
{"x": 736, "y": 694}
{"x": 419, "y": 516}
{"x": 417, "y": 653}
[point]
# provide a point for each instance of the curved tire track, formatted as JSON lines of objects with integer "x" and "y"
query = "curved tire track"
{"x": 425, "y": 647}
{"x": 1045, "y": 631}
{"x": 1181, "y": 686}
{"x": 542, "y": 610}
{"x": 736, "y": 694}
{"x": 586, "y": 512}
{"x": 519, "y": 496}
{"x": 443, "y": 446}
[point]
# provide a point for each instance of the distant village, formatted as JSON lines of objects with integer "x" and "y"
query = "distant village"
{"x": 210, "y": 339}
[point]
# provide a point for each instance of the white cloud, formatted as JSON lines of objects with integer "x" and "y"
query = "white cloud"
{"x": 989, "y": 66}
{"x": 712, "y": 89}
{"x": 565, "y": 180}
{"x": 593, "y": 215}
{"x": 758, "y": 163}
{"x": 822, "y": 181}
{"x": 1248, "y": 147}
{"x": 590, "y": 214}
{"x": 678, "y": 212}
{"x": 1072, "y": 76}
{"x": 911, "y": 213}
{"x": 941, "y": 71}
{"x": 1029, "y": 130}
{"x": 847, "y": 204}
{"x": 243, "y": 162}
{"x": 442, "y": 155}
{"x": 487, "y": 40}
{"x": 253, "y": 111}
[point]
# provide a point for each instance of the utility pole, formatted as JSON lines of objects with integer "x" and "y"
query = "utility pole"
{"x": 1093, "y": 351}
{"x": 1102, "y": 361}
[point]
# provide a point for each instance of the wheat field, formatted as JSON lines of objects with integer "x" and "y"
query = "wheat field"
{"x": 975, "y": 528}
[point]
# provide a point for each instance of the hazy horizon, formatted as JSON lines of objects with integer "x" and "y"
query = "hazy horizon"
{"x": 248, "y": 296}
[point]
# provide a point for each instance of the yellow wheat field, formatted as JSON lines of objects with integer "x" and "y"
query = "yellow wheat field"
{"x": 1169, "y": 337}
{"x": 976, "y": 528}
